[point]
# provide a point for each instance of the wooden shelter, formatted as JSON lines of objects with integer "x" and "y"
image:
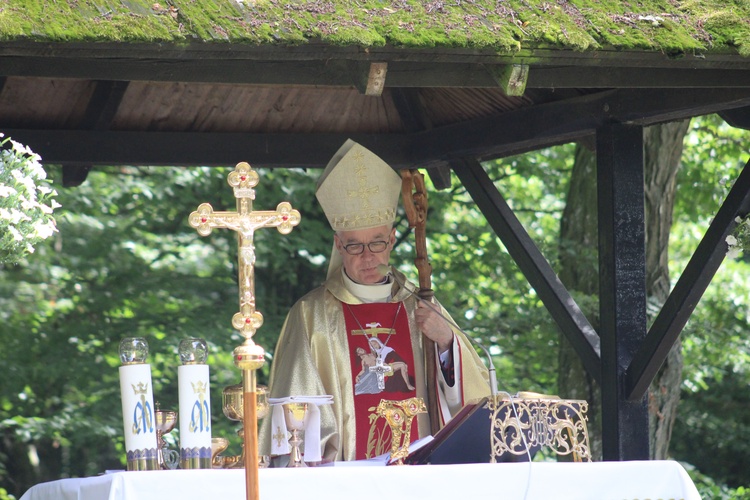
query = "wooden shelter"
{"x": 423, "y": 84}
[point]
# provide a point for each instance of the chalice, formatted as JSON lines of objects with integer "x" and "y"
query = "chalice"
{"x": 295, "y": 416}
{"x": 165, "y": 422}
{"x": 232, "y": 404}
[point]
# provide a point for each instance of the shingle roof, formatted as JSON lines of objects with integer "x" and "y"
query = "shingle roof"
{"x": 506, "y": 27}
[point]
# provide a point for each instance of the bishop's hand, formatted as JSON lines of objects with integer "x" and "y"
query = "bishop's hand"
{"x": 434, "y": 326}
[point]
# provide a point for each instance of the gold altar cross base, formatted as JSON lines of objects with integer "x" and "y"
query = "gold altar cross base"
{"x": 249, "y": 356}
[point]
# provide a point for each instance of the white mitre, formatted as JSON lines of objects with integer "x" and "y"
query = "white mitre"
{"x": 357, "y": 190}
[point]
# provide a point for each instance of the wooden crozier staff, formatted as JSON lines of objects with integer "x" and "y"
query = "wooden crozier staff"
{"x": 414, "y": 195}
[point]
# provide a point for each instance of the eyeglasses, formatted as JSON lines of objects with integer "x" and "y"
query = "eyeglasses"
{"x": 359, "y": 248}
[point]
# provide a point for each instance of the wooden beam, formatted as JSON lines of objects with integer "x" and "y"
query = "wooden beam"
{"x": 100, "y": 111}
{"x": 103, "y": 105}
{"x": 440, "y": 175}
{"x": 376, "y": 79}
{"x": 622, "y": 286}
{"x": 195, "y": 148}
{"x": 737, "y": 118}
{"x": 511, "y": 78}
{"x": 689, "y": 289}
{"x": 410, "y": 109}
{"x": 497, "y": 136}
{"x": 335, "y": 69}
{"x": 533, "y": 264}
{"x": 533, "y": 128}
{"x": 561, "y": 77}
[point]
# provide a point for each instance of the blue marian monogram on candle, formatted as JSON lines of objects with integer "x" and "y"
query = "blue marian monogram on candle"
{"x": 200, "y": 416}
{"x": 143, "y": 416}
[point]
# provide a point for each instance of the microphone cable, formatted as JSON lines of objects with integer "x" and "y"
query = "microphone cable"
{"x": 388, "y": 271}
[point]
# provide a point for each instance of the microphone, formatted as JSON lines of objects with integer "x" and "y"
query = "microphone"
{"x": 387, "y": 271}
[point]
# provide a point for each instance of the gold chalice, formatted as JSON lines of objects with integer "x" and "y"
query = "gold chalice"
{"x": 165, "y": 421}
{"x": 232, "y": 404}
{"x": 295, "y": 416}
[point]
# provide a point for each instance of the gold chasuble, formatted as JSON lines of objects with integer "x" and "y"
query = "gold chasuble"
{"x": 333, "y": 343}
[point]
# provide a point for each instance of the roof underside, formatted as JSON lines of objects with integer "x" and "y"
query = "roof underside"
{"x": 285, "y": 84}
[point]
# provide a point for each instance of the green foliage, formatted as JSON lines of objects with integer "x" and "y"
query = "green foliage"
{"x": 704, "y": 427}
{"x": 715, "y": 342}
{"x": 26, "y": 201}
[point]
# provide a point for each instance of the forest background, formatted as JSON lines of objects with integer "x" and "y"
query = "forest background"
{"x": 124, "y": 262}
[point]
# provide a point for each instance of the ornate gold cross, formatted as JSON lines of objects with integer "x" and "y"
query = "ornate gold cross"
{"x": 249, "y": 356}
{"x": 245, "y": 221}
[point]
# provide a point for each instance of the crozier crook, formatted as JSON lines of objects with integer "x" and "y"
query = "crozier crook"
{"x": 414, "y": 196}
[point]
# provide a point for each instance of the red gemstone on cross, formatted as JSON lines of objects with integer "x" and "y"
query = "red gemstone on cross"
{"x": 248, "y": 320}
{"x": 243, "y": 178}
{"x": 285, "y": 218}
{"x": 204, "y": 220}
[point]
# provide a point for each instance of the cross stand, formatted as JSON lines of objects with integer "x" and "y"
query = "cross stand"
{"x": 248, "y": 356}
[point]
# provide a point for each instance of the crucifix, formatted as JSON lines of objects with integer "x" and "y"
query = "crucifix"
{"x": 381, "y": 370}
{"x": 248, "y": 356}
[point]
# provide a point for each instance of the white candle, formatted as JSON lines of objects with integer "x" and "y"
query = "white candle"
{"x": 138, "y": 417}
{"x": 195, "y": 405}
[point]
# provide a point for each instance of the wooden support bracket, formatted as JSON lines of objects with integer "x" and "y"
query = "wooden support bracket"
{"x": 510, "y": 78}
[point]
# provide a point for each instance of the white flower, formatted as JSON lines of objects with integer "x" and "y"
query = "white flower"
{"x": 26, "y": 201}
{"x": 17, "y": 236}
{"x": 731, "y": 240}
{"x": 733, "y": 252}
{"x": 21, "y": 148}
{"x": 44, "y": 230}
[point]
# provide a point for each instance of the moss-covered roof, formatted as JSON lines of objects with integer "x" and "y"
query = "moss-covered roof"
{"x": 503, "y": 26}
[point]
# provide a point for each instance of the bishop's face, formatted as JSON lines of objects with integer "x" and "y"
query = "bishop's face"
{"x": 363, "y": 267}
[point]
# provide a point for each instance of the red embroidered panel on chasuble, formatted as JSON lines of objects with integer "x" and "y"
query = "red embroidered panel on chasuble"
{"x": 382, "y": 364}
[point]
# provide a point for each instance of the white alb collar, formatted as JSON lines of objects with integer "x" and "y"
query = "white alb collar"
{"x": 379, "y": 292}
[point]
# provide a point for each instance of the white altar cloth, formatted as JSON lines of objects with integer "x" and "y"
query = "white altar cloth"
{"x": 637, "y": 480}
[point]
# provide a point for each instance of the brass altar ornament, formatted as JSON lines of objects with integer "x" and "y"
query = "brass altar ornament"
{"x": 532, "y": 420}
{"x": 249, "y": 356}
{"x": 399, "y": 415}
{"x": 165, "y": 420}
{"x": 232, "y": 398}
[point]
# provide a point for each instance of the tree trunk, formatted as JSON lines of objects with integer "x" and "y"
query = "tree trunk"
{"x": 579, "y": 272}
{"x": 662, "y": 153}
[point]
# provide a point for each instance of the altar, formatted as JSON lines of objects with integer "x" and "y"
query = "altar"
{"x": 346, "y": 480}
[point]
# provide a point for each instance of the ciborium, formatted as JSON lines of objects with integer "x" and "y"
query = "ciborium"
{"x": 232, "y": 405}
{"x": 295, "y": 416}
{"x": 165, "y": 421}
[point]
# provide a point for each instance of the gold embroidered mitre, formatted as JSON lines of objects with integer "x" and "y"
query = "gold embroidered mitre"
{"x": 358, "y": 190}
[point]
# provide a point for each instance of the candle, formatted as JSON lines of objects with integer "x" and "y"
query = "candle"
{"x": 195, "y": 405}
{"x": 137, "y": 405}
